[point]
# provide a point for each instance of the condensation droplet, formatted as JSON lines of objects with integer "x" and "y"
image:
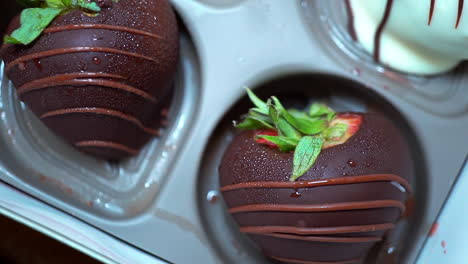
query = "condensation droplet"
{"x": 96, "y": 60}
{"x": 212, "y": 196}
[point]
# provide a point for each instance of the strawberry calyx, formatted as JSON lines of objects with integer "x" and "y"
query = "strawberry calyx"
{"x": 306, "y": 133}
{"x": 264, "y": 141}
{"x": 353, "y": 123}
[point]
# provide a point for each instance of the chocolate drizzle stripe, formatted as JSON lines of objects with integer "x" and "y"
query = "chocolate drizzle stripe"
{"x": 331, "y": 207}
{"x": 101, "y": 111}
{"x": 431, "y": 11}
{"x": 323, "y": 238}
{"x": 317, "y": 230}
{"x": 351, "y": 27}
{"x": 55, "y": 52}
{"x": 69, "y": 80}
{"x": 106, "y": 144}
{"x": 46, "y": 82}
{"x": 380, "y": 28}
{"x": 321, "y": 182}
{"x": 298, "y": 261}
{"x": 101, "y": 26}
{"x": 460, "y": 12}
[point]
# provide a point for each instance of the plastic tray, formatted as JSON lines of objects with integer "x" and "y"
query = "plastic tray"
{"x": 166, "y": 199}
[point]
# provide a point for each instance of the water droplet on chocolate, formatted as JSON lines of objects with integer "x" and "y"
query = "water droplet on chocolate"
{"x": 96, "y": 38}
{"x": 296, "y": 194}
{"x": 22, "y": 66}
{"x": 352, "y": 163}
{"x": 96, "y": 60}
{"x": 212, "y": 196}
{"x": 38, "y": 64}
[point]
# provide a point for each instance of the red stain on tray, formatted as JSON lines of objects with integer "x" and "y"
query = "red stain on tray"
{"x": 395, "y": 77}
{"x": 444, "y": 246}
{"x": 434, "y": 229}
{"x": 56, "y": 183}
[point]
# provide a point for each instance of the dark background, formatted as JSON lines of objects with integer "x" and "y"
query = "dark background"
{"x": 22, "y": 245}
{"x": 8, "y": 9}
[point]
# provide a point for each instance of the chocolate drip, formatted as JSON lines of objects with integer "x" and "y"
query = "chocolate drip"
{"x": 380, "y": 28}
{"x": 107, "y": 144}
{"x": 321, "y": 182}
{"x": 297, "y": 261}
{"x": 431, "y": 12}
{"x": 68, "y": 79}
{"x": 351, "y": 26}
{"x": 460, "y": 12}
{"x": 101, "y": 26}
{"x": 317, "y": 207}
{"x": 101, "y": 111}
{"x": 56, "y": 52}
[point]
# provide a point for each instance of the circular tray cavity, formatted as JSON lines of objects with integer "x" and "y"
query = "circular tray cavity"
{"x": 298, "y": 91}
{"x": 40, "y": 163}
{"x": 441, "y": 95}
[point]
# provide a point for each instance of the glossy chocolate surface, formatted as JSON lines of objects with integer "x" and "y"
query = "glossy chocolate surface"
{"x": 103, "y": 83}
{"x": 337, "y": 211}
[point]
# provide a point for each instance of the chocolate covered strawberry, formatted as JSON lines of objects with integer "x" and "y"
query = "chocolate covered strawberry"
{"x": 315, "y": 186}
{"x": 97, "y": 73}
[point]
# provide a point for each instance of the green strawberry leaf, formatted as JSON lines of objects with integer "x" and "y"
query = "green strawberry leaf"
{"x": 258, "y": 115}
{"x": 305, "y": 125}
{"x": 249, "y": 123}
{"x": 11, "y": 40}
{"x": 284, "y": 144}
{"x": 299, "y": 114}
{"x": 57, "y": 4}
{"x": 42, "y": 12}
{"x": 335, "y": 132}
{"x": 261, "y": 105}
{"x": 284, "y": 128}
{"x": 319, "y": 110}
{"x": 306, "y": 154}
{"x": 253, "y": 122}
{"x": 33, "y": 22}
{"x": 304, "y": 132}
{"x": 287, "y": 129}
{"x": 84, "y": 4}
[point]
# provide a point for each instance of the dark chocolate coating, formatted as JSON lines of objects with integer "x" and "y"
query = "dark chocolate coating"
{"x": 377, "y": 148}
{"x": 133, "y": 65}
